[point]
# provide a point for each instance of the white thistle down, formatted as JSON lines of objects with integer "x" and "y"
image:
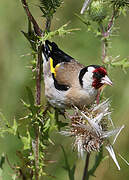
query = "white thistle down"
{"x": 92, "y": 127}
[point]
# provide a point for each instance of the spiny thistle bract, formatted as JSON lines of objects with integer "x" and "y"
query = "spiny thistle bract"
{"x": 98, "y": 10}
{"x": 49, "y": 7}
{"x": 92, "y": 127}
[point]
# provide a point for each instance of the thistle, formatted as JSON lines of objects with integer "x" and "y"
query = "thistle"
{"x": 91, "y": 128}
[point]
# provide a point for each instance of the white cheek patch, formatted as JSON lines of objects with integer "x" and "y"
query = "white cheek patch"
{"x": 91, "y": 69}
{"x": 88, "y": 78}
{"x": 89, "y": 74}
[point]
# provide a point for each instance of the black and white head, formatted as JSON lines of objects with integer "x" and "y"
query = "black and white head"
{"x": 94, "y": 76}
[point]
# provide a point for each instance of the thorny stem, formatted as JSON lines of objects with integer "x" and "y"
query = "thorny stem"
{"x": 106, "y": 33}
{"x": 38, "y": 32}
{"x": 38, "y": 83}
{"x": 104, "y": 49}
{"x": 38, "y": 76}
{"x": 38, "y": 99}
{"x": 31, "y": 18}
{"x": 85, "y": 173}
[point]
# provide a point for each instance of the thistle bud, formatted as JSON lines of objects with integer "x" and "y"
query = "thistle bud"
{"x": 97, "y": 10}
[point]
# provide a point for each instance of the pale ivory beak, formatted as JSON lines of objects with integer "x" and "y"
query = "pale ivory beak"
{"x": 105, "y": 80}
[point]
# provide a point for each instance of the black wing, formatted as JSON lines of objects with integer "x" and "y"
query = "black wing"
{"x": 50, "y": 49}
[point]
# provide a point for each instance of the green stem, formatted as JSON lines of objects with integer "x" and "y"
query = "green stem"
{"x": 48, "y": 24}
{"x": 85, "y": 173}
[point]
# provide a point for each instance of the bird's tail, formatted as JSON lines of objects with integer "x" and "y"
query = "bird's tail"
{"x": 51, "y": 50}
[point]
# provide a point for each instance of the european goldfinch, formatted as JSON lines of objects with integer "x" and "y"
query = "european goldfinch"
{"x": 69, "y": 83}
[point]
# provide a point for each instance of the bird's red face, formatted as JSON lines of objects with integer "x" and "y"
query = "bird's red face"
{"x": 100, "y": 77}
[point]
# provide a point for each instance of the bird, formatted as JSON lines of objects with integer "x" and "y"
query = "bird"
{"x": 69, "y": 83}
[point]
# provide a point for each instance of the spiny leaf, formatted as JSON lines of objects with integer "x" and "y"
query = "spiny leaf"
{"x": 30, "y": 96}
{"x": 71, "y": 171}
{"x": 124, "y": 63}
{"x": 47, "y": 125}
{"x": 32, "y": 107}
{"x": 25, "y": 104}
{"x": 14, "y": 127}
{"x": 31, "y": 36}
{"x": 26, "y": 141}
{"x": 51, "y": 115}
{"x": 49, "y": 7}
{"x": 120, "y": 3}
{"x": 5, "y": 127}
{"x": 67, "y": 167}
{"x": 59, "y": 32}
{"x": 3, "y": 119}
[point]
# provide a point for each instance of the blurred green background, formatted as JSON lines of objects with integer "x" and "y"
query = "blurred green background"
{"x": 15, "y": 76}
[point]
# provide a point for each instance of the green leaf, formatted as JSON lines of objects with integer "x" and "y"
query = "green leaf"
{"x": 49, "y": 7}
{"x": 5, "y": 127}
{"x": 124, "y": 63}
{"x": 25, "y": 104}
{"x": 47, "y": 125}
{"x": 31, "y": 36}
{"x": 51, "y": 115}
{"x": 3, "y": 120}
{"x": 82, "y": 20}
{"x": 98, "y": 159}
{"x": 30, "y": 96}
{"x": 32, "y": 107}
{"x": 59, "y": 124}
{"x": 14, "y": 127}
{"x": 59, "y": 32}
{"x": 26, "y": 141}
{"x": 71, "y": 171}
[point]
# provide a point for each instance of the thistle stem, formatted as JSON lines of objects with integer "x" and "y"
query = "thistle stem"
{"x": 38, "y": 77}
{"x": 38, "y": 102}
{"x": 31, "y": 18}
{"x": 38, "y": 83}
{"x": 85, "y": 173}
{"x": 48, "y": 24}
{"x": 106, "y": 33}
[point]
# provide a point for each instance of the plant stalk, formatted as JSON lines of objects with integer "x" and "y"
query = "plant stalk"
{"x": 31, "y": 18}
{"x": 106, "y": 33}
{"x": 48, "y": 24}
{"x": 85, "y": 173}
{"x": 38, "y": 83}
{"x": 38, "y": 102}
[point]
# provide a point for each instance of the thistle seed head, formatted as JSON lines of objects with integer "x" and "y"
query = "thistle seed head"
{"x": 92, "y": 127}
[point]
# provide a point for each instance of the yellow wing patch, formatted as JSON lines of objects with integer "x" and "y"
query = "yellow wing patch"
{"x": 52, "y": 68}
